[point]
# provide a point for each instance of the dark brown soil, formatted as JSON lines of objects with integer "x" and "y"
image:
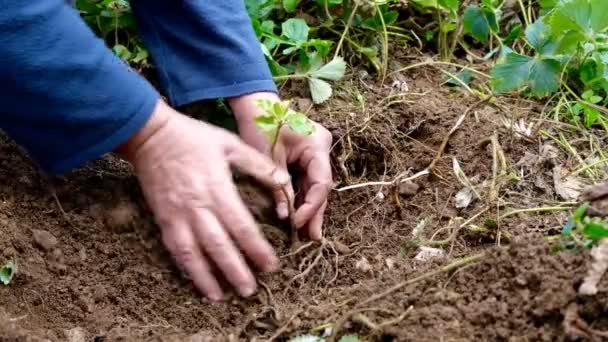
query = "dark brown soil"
{"x": 108, "y": 278}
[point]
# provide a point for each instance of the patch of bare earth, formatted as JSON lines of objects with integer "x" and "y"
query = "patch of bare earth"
{"x": 106, "y": 276}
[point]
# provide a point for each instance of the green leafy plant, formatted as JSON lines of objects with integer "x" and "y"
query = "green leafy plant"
{"x": 113, "y": 21}
{"x": 277, "y": 115}
{"x": 481, "y": 21}
{"x": 583, "y": 230}
{"x": 449, "y": 23}
{"x": 567, "y": 48}
{"x": 7, "y": 272}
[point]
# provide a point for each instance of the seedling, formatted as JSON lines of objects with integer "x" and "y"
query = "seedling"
{"x": 7, "y": 272}
{"x": 583, "y": 230}
{"x": 278, "y": 114}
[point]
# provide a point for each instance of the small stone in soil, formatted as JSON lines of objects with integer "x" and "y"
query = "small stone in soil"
{"x": 448, "y": 213}
{"x": 408, "y": 189}
{"x": 75, "y": 335}
{"x": 341, "y": 248}
{"x": 44, "y": 239}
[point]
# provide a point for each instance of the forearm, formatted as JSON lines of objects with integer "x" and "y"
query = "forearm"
{"x": 203, "y": 49}
{"x": 67, "y": 98}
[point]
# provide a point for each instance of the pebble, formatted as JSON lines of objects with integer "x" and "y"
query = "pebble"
{"x": 75, "y": 335}
{"x": 408, "y": 189}
{"x": 44, "y": 239}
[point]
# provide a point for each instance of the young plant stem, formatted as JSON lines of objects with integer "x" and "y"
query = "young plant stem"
{"x": 290, "y": 206}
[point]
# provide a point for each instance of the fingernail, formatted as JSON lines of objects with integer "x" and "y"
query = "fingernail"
{"x": 282, "y": 210}
{"x": 247, "y": 291}
{"x": 216, "y": 297}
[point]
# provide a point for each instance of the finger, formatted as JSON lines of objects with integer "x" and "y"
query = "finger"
{"x": 219, "y": 247}
{"x": 242, "y": 227}
{"x": 250, "y": 161}
{"x": 182, "y": 244}
{"x": 320, "y": 179}
{"x": 282, "y": 205}
{"x": 316, "y": 223}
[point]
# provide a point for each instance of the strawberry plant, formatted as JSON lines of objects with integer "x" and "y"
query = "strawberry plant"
{"x": 277, "y": 115}
{"x": 583, "y": 230}
{"x": 113, "y": 21}
{"x": 568, "y": 49}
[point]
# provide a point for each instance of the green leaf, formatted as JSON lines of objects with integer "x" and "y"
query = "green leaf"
{"x": 7, "y": 272}
{"x": 290, "y": 5}
{"x": 540, "y": 75}
{"x": 334, "y": 70}
{"x": 514, "y": 34}
{"x": 476, "y": 24}
{"x": 319, "y": 90}
{"x": 590, "y": 115}
{"x": 491, "y": 18}
{"x": 539, "y": 36}
{"x": 450, "y": 5}
{"x": 266, "y": 124}
{"x": 349, "y": 338}
{"x": 570, "y": 15}
{"x": 374, "y": 23}
{"x": 122, "y": 51}
{"x": 268, "y": 26}
{"x": 299, "y": 123}
{"x": 580, "y": 213}
{"x": 295, "y": 29}
{"x": 547, "y": 3}
{"x": 596, "y": 230}
{"x": 599, "y": 15}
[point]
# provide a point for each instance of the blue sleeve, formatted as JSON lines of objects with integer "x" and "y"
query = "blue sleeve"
{"x": 66, "y": 98}
{"x": 203, "y": 49}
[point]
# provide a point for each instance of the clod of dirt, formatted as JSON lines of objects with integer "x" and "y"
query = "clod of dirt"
{"x": 597, "y": 269}
{"x": 122, "y": 215}
{"x": 448, "y": 213}
{"x": 44, "y": 239}
{"x": 597, "y": 195}
{"x": 408, "y": 189}
{"x": 75, "y": 335}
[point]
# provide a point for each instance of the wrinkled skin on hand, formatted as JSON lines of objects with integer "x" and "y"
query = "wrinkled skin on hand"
{"x": 309, "y": 153}
{"x": 183, "y": 166}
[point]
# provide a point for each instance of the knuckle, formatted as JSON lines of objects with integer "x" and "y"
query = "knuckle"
{"x": 183, "y": 253}
{"x": 216, "y": 244}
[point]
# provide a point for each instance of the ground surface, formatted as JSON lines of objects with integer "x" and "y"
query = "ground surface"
{"x": 107, "y": 277}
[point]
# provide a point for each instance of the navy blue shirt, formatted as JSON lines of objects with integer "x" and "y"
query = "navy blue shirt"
{"x": 67, "y": 99}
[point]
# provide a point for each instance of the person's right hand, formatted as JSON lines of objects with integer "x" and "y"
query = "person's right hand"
{"x": 183, "y": 166}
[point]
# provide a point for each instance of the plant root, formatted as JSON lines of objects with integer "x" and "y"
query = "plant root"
{"x": 445, "y": 269}
{"x": 305, "y": 267}
{"x": 575, "y": 327}
{"x": 597, "y": 269}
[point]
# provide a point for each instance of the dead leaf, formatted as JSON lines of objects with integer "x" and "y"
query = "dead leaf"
{"x": 568, "y": 187}
{"x": 428, "y": 253}
{"x": 363, "y": 265}
{"x": 463, "y": 198}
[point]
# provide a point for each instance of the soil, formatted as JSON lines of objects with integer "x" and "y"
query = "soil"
{"x": 92, "y": 267}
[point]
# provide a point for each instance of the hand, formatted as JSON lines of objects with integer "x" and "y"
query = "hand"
{"x": 310, "y": 153}
{"x": 183, "y": 166}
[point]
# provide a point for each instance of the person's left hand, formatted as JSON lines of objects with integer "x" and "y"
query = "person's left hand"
{"x": 310, "y": 153}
